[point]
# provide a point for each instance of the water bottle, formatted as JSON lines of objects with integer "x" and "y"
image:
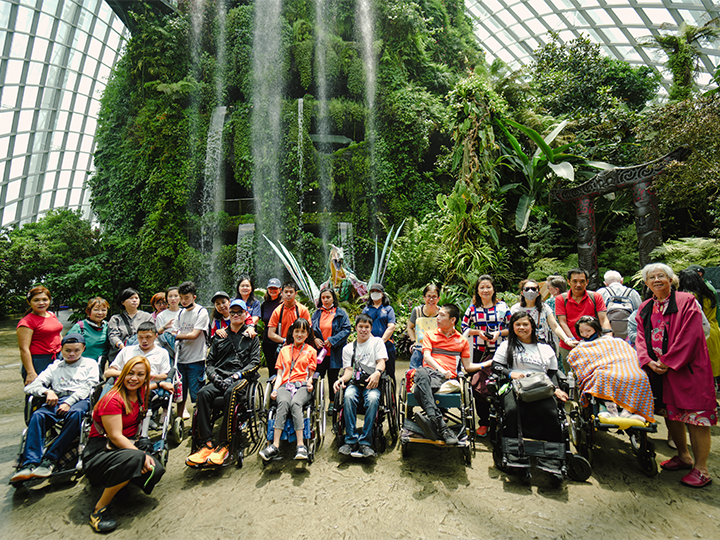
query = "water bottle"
{"x": 571, "y": 384}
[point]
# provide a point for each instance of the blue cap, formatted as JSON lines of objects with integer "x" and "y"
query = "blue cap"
{"x": 239, "y": 302}
{"x": 73, "y": 338}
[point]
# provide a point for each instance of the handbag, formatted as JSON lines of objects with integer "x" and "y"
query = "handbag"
{"x": 533, "y": 387}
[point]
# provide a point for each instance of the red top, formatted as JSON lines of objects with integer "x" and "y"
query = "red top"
{"x": 305, "y": 360}
{"x": 566, "y": 305}
{"x": 113, "y": 404}
{"x": 46, "y": 333}
{"x": 289, "y": 316}
{"x": 446, "y": 351}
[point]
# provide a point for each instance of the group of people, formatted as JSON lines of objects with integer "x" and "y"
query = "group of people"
{"x": 675, "y": 335}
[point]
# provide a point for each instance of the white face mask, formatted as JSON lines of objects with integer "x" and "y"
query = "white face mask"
{"x": 375, "y": 296}
{"x": 530, "y": 295}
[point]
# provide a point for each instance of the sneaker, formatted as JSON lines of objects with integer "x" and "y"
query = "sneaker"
{"x": 331, "y": 408}
{"x": 269, "y": 453}
{"x": 357, "y": 452}
{"x": 200, "y": 457}
{"x": 45, "y": 469}
{"x": 481, "y": 431}
{"x": 449, "y": 436}
{"x": 426, "y": 425}
{"x": 219, "y": 455}
{"x": 103, "y": 520}
{"x": 367, "y": 451}
{"x": 24, "y": 474}
{"x": 347, "y": 449}
{"x": 301, "y": 453}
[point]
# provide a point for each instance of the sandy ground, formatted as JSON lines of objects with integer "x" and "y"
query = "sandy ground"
{"x": 429, "y": 495}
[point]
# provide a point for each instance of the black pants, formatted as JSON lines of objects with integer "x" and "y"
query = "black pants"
{"x": 269, "y": 348}
{"x": 482, "y": 407}
{"x": 427, "y": 382}
{"x": 539, "y": 419}
{"x": 332, "y": 374}
{"x": 390, "y": 363}
{"x": 207, "y": 395}
{"x": 110, "y": 468}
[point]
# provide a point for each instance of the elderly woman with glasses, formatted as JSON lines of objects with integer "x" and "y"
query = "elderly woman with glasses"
{"x": 531, "y": 302}
{"x": 671, "y": 347}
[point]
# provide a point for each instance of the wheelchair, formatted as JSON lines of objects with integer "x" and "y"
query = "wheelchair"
{"x": 509, "y": 454}
{"x": 247, "y": 425}
{"x": 458, "y": 410}
{"x": 314, "y": 415}
{"x": 69, "y": 465}
{"x": 586, "y": 422}
{"x": 387, "y": 412}
{"x": 168, "y": 424}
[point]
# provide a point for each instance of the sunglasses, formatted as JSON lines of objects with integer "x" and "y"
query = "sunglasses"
{"x": 530, "y": 289}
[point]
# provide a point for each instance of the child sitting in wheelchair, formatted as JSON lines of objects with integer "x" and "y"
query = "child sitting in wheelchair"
{"x": 66, "y": 386}
{"x": 293, "y": 386}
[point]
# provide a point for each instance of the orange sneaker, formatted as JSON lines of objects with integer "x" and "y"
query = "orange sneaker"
{"x": 482, "y": 431}
{"x": 219, "y": 455}
{"x": 200, "y": 457}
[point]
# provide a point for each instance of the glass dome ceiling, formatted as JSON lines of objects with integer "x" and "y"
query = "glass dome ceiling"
{"x": 55, "y": 59}
{"x": 512, "y": 29}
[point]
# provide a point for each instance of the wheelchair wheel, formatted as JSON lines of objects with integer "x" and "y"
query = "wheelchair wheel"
{"x": 403, "y": 409}
{"x": 579, "y": 468}
{"x": 498, "y": 460}
{"x": 404, "y": 449}
{"x": 320, "y": 407}
{"x": 177, "y": 431}
{"x": 256, "y": 420}
{"x": 392, "y": 411}
{"x": 647, "y": 463}
{"x": 467, "y": 455}
{"x": 379, "y": 437}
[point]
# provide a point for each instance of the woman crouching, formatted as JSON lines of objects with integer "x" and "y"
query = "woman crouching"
{"x": 110, "y": 458}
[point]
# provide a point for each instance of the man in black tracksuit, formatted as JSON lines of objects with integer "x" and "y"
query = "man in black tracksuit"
{"x": 231, "y": 365}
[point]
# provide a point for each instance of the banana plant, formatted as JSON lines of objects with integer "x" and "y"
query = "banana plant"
{"x": 539, "y": 168}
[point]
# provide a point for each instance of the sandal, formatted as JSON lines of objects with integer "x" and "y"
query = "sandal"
{"x": 676, "y": 464}
{"x": 696, "y": 479}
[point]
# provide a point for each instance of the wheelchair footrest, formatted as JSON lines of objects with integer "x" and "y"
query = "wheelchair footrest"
{"x": 532, "y": 447}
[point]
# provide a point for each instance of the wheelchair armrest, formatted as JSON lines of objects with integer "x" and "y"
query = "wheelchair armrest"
{"x": 272, "y": 379}
{"x": 32, "y": 404}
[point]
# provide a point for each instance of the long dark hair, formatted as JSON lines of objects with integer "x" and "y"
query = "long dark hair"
{"x": 690, "y": 281}
{"x": 476, "y": 297}
{"x": 590, "y": 321}
{"x": 538, "y": 300}
{"x": 251, "y": 298}
{"x": 514, "y": 341}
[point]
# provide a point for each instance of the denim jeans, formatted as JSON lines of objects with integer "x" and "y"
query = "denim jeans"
{"x": 416, "y": 358}
{"x": 372, "y": 403}
{"x": 192, "y": 375}
{"x": 46, "y": 417}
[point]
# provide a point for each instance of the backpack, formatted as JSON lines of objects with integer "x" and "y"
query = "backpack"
{"x": 619, "y": 308}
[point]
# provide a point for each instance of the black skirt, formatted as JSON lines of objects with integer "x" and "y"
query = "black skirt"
{"x": 110, "y": 468}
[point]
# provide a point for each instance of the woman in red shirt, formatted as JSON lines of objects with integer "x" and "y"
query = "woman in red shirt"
{"x": 111, "y": 458}
{"x": 38, "y": 335}
{"x": 293, "y": 388}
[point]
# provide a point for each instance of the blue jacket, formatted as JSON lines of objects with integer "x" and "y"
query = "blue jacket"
{"x": 340, "y": 331}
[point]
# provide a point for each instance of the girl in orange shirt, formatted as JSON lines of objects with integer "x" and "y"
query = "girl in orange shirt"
{"x": 293, "y": 388}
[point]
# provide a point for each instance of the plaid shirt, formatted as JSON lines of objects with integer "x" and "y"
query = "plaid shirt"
{"x": 492, "y": 319}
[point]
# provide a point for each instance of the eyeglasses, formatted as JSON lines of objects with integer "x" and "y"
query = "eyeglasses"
{"x": 428, "y": 297}
{"x": 657, "y": 276}
{"x": 238, "y": 313}
{"x": 530, "y": 289}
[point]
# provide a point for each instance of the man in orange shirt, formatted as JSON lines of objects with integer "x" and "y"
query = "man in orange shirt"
{"x": 443, "y": 350}
{"x": 286, "y": 314}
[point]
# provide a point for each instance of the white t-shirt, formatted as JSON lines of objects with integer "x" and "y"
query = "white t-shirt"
{"x": 158, "y": 357}
{"x": 165, "y": 317}
{"x": 528, "y": 357}
{"x": 192, "y": 350}
{"x": 367, "y": 354}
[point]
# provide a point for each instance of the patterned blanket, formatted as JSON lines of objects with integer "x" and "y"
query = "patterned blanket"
{"x": 608, "y": 368}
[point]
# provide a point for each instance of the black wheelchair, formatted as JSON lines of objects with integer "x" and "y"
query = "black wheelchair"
{"x": 511, "y": 454}
{"x": 458, "y": 410}
{"x": 586, "y": 422}
{"x": 247, "y": 425}
{"x": 314, "y": 414}
{"x": 387, "y": 412}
